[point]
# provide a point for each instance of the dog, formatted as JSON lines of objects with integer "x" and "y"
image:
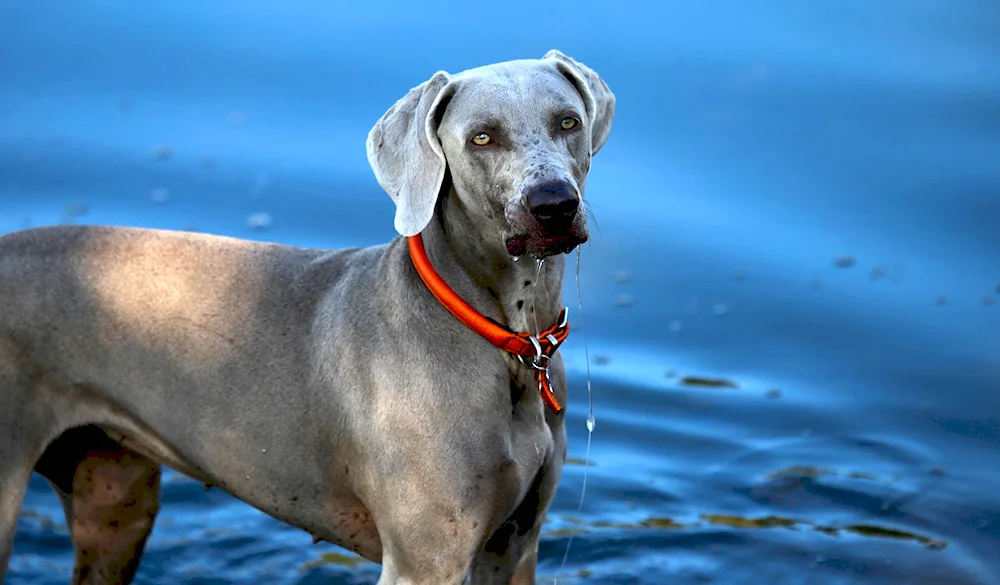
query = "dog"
{"x": 402, "y": 401}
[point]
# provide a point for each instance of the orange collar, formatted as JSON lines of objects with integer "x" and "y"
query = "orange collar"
{"x": 539, "y": 349}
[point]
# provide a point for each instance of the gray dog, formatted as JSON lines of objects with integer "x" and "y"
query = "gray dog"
{"x": 342, "y": 392}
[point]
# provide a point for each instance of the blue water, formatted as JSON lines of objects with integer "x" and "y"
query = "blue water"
{"x": 801, "y": 198}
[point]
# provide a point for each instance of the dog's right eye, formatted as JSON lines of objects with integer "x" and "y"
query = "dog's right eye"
{"x": 482, "y": 139}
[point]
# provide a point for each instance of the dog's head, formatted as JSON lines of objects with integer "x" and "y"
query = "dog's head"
{"x": 516, "y": 140}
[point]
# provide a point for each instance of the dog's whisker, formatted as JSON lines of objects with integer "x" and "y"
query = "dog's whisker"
{"x": 589, "y": 210}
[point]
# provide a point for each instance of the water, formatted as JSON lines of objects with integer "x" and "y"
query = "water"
{"x": 798, "y": 383}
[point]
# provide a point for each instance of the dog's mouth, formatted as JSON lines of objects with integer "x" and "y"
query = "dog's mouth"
{"x": 543, "y": 246}
{"x": 545, "y": 220}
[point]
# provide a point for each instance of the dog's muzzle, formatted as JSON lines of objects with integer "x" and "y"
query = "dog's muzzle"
{"x": 546, "y": 220}
{"x": 553, "y": 205}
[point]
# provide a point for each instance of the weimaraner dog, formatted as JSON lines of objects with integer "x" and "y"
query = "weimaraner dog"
{"x": 348, "y": 393}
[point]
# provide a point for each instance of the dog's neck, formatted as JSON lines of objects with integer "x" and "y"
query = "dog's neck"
{"x": 471, "y": 256}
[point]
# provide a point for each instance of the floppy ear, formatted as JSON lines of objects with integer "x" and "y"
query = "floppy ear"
{"x": 599, "y": 100}
{"x": 406, "y": 154}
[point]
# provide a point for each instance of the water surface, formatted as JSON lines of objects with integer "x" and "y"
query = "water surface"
{"x": 790, "y": 299}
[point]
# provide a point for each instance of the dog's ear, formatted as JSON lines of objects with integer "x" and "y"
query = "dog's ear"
{"x": 406, "y": 154}
{"x": 599, "y": 100}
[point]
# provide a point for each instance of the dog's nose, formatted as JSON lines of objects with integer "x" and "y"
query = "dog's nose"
{"x": 554, "y": 205}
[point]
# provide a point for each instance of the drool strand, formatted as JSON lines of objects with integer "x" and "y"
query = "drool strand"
{"x": 591, "y": 421}
{"x": 534, "y": 292}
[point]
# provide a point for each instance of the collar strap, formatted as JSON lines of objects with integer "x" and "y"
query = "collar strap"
{"x": 534, "y": 352}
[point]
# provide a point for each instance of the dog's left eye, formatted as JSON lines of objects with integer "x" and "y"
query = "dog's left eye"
{"x": 568, "y": 123}
{"x": 482, "y": 139}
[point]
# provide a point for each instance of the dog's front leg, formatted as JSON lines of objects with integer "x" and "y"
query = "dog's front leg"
{"x": 510, "y": 556}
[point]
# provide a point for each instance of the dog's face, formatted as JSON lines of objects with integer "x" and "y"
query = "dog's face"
{"x": 517, "y": 145}
{"x": 516, "y": 139}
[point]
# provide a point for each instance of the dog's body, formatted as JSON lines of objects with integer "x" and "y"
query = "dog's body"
{"x": 329, "y": 389}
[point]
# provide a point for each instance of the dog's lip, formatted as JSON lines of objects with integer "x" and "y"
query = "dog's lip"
{"x": 541, "y": 246}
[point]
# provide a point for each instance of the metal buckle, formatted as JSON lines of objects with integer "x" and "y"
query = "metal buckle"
{"x": 540, "y": 361}
{"x": 538, "y": 347}
{"x": 536, "y": 362}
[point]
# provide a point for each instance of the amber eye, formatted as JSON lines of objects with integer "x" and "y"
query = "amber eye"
{"x": 482, "y": 139}
{"x": 568, "y": 123}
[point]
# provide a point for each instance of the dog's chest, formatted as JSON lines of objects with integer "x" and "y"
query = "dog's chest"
{"x": 528, "y": 420}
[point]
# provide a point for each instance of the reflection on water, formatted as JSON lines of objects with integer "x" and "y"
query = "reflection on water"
{"x": 790, "y": 289}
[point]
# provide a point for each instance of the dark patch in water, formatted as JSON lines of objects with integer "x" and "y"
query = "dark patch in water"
{"x": 700, "y": 382}
{"x": 335, "y": 558}
{"x": 579, "y": 461}
{"x": 582, "y": 526}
